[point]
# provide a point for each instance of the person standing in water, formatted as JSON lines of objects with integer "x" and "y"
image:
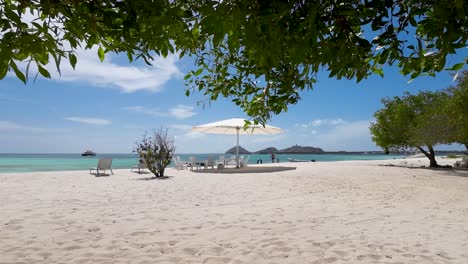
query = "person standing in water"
{"x": 272, "y": 157}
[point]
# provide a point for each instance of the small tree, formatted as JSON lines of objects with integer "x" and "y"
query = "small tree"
{"x": 411, "y": 121}
{"x": 156, "y": 150}
{"x": 456, "y": 109}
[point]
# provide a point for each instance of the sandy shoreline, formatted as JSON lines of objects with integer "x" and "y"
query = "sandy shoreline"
{"x": 323, "y": 212}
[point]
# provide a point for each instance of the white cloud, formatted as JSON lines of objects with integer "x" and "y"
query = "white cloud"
{"x": 335, "y": 135}
{"x": 181, "y": 127}
{"x": 349, "y": 136}
{"x": 182, "y": 111}
{"x": 145, "y": 110}
{"x": 321, "y": 123}
{"x": 326, "y": 122}
{"x": 91, "y": 70}
{"x": 178, "y": 112}
{"x": 12, "y": 126}
{"x": 125, "y": 78}
{"x": 259, "y": 140}
{"x": 89, "y": 120}
{"x": 9, "y": 126}
{"x": 192, "y": 135}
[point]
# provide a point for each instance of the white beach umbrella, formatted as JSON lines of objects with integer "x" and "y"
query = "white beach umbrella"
{"x": 236, "y": 126}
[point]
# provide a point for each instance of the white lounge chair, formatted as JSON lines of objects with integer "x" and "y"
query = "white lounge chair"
{"x": 221, "y": 160}
{"x": 179, "y": 164}
{"x": 244, "y": 161}
{"x": 140, "y": 167}
{"x": 232, "y": 161}
{"x": 103, "y": 165}
{"x": 209, "y": 162}
{"x": 193, "y": 163}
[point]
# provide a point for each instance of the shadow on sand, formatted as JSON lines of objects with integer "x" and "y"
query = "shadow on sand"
{"x": 458, "y": 172}
{"x": 100, "y": 175}
{"x": 260, "y": 169}
{"x": 153, "y": 178}
{"x": 449, "y": 171}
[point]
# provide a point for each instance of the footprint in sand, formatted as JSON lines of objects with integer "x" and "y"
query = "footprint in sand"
{"x": 213, "y": 260}
{"x": 45, "y": 254}
{"x": 14, "y": 228}
{"x": 280, "y": 250}
{"x": 330, "y": 260}
{"x": 111, "y": 247}
{"x": 166, "y": 250}
{"x": 374, "y": 257}
{"x": 72, "y": 248}
{"x": 94, "y": 229}
{"x": 426, "y": 258}
{"x": 340, "y": 253}
{"x": 172, "y": 242}
{"x": 269, "y": 239}
{"x": 217, "y": 251}
{"x": 191, "y": 251}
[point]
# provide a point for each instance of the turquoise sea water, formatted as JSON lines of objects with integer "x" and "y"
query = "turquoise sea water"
{"x": 66, "y": 162}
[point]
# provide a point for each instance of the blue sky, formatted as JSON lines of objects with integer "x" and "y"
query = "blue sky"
{"x": 108, "y": 106}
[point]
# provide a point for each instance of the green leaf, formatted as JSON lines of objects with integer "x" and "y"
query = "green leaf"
{"x": 101, "y": 53}
{"x": 457, "y": 67}
{"x": 130, "y": 56}
{"x": 181, "y": 55}
{"x": 378, "y": 71}
{"x": 196, "y": 30}
{"x": 164, "y": 52}
{"x": 18, "y": 73}
{"x": 198, "y": 72}
{"x": 72, "y": 59}
{"x": 3, "y": 70}
{"x": 43, "y": 71}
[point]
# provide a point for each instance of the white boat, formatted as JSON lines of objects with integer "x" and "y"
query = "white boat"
{"x": 299, "y": 160}
{"x": 88, "y": 153}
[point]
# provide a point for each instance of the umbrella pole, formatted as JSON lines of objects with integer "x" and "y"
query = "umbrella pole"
{"x": 237, "y": 148}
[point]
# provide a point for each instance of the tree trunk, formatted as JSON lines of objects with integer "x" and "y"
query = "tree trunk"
{"x": 430, "y": 155}
{"x": 466, "y": 147}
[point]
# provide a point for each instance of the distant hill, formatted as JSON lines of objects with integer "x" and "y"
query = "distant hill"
{"x": 301, "y": 150}
{"x": 267, "y": 151}
{"x": 241, "y": 151}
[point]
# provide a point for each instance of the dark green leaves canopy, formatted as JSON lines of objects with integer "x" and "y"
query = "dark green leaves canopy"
{"x": 260, "y": 54}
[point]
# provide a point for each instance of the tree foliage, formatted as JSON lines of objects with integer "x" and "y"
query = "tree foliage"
{"x": 157, "y": 150}
{"x": 412, "y": 121}
{"x": 457, "y": 110}
{"x": 261, "y": 53}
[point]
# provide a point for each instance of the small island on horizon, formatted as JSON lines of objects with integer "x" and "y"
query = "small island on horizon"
{"x": 296, "y": 149}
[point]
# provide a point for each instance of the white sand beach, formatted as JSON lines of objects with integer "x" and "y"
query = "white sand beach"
{"x": 322, "y": 212}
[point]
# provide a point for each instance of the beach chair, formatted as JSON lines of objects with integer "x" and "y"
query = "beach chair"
{"x": 179, "y": 164}
{"x": 209, "y": 163}
{"x": 221, "y": 160}
{"x": 193, "y": 163}
{"x": 103, "y": 165}
{"x": 244, "y": 161}
{"x": 232, "y": 161}
{"x": 140, "y": 167}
